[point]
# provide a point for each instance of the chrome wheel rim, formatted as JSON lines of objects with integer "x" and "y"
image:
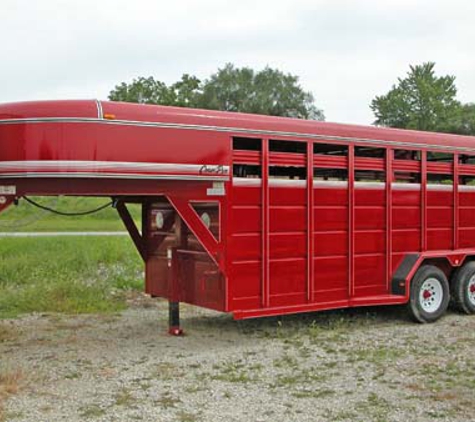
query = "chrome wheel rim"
{"x": 471, "y": 290}
{"x": 431, "y": 295}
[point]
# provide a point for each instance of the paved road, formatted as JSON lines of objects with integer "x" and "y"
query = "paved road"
{"x": 52, "y": 234}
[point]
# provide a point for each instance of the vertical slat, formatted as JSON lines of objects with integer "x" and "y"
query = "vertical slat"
{"x": 310, "y": 223}
{"x": 226, "y": 232}
{"x": 423, "y": 201}
{"x": 456, "y": 202}
{"x": 389, "y": 215}
{"x": 265, "y": 223}
{"x": 351, "y": 220}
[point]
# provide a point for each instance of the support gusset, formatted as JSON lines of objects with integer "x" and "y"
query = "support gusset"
{"x": 198, "y": 228}
{"x": 131, "y": 227}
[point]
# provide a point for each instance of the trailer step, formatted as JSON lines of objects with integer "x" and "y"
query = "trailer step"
{"x": 378, "y": 300}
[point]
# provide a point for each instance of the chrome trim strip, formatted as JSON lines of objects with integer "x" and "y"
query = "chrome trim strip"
{"x": 59, "y": 175}
{"x": 325, "y": 184}
{"x": 227, "y": 129}
{"x": 244, "y": 181}
{"x": 278, "y": 183}
{"x": 121, "y": 165}
{"x": 100, "y": 113}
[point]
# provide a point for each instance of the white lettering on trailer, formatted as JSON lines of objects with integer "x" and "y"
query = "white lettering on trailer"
{"x": 8, "y": 190}
{"x": 216, "y": 190}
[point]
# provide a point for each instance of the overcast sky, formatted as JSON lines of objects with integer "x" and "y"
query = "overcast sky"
{"x": 345, "y": 52}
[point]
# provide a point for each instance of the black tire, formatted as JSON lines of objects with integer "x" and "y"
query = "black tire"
{"x": 462, "y": 288}
{"x": 431, "y": 308}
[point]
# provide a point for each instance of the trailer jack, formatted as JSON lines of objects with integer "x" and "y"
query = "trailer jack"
{"x": 174, "y": 328}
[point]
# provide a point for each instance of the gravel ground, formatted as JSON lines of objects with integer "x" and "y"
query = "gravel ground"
{"x": 357, "y": 365}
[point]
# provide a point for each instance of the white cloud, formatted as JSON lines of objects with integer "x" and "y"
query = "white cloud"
{"x": 345, "y": 52}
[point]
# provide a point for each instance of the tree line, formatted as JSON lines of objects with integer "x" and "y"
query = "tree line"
{"x": 268, "y": 91}
{"x": 420, "y": 100}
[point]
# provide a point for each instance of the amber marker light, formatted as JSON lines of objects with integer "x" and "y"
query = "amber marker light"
{"x": 109, "y": 116}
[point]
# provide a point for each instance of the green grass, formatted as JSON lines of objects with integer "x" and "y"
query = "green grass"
{"x": 71, "y": 275}
{"x": 26, "y": 217}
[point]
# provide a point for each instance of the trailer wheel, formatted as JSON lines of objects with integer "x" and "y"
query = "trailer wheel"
{"x": 430, "y": 294}
{"x": 463, "y": 288}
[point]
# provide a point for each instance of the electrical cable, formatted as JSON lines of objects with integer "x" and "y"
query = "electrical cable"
{"x": 67, "y": 214}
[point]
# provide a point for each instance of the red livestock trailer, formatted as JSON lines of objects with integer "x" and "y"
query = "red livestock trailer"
{"x": 260, "y": 215}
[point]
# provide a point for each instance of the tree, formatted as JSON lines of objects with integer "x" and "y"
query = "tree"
{"x": 464, "y": 123}
{"x": 186, "y": 92}
{"x": 268, "y": 91}
{"x": 420, "y": 101}
{"x": 143, "y": 91}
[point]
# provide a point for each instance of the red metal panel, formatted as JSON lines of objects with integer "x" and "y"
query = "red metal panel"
{"x": 287, "y": 194}
{"x": 245, "y": 278}
{"x": 406, "y": 217}
{"x": 279, "y": 245}
{"x": 245, "y": 247}
{"x": 331, "y": 243}
{"x": 94, "y": 143}
{"x": 287, "y": 218}
{"x": 329, "y": 217}
{"x": 199, "y": 281}
{"x": 49, "y": 109}
{"x": 439, "y": 239}
{"x": 406, "y": 240}
{"x": 439, "y": 217}
{"x": 439, "y": 196}
{"x": 467, "y": 237}
{"x": 370, "y": 217}
{"x": 409, "y": 196}
{"x": 372, "y": 194}
{"x": 370, "y": 272}
{"x": 247, "y": 194}
{"x": 331, "y": 273}
{"x": 246, "y": 218}
{"x": 287, "y": 276}
{"x": 370, "y": 241}
{"x": 208, "y": 120}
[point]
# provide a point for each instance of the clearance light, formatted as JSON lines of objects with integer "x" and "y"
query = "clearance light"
{"x": 109, "y": 116}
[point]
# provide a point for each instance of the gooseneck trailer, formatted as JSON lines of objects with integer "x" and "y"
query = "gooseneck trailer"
{"x": 258, "y": 215}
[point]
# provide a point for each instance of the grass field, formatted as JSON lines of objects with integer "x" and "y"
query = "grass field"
{"x": 26, "y": 217}
{"x": 73, "y": 274}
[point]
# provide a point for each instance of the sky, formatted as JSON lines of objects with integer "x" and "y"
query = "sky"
{"x": 344, "y": 52}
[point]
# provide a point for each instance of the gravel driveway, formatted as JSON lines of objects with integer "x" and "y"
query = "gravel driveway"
{"x": 358, "y": 365}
